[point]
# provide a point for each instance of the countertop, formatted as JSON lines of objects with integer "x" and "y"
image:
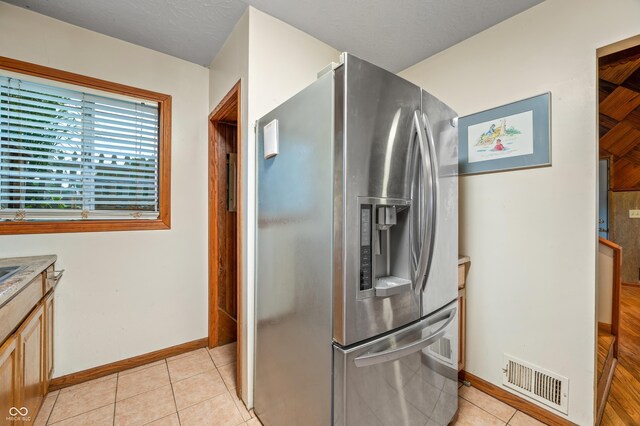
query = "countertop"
{"x": 14, "y": 285}
{"x": 463, "y": 259}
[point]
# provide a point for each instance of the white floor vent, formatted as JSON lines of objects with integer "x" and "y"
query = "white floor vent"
{"x": 537, "y": 383}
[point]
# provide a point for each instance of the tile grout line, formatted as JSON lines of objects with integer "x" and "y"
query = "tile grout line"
{"x": 225, "y": 384}
{"x": 76, "y": 415}
{"x": 163, "y": 417}
{"x": 166, "y": 363}
{"x": 233, "y": 399}
{"x": 80, "y": 386}
{"x": 138, "y": 368}
{"x": 149, "y": 390}
{"x": 477, "y": 406}
{"x": 115, "y": 399}
{"x": 184, "y": 378}
{"x": 208, "y": 399}
{"x": 210, "y": 356}
{"x": 193, "y": 375}
{"x": 472, "y": 403}
{"x": 238, "y": 401}
{"x": 117, "y": 376}
{"x": 184, "y": 354}
{"x": 46, "y": 422}
{"x": 215, "y": 396}
{"x": 226, "y": 389}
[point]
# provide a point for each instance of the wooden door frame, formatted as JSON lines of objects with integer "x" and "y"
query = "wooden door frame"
{"x": 601, "y": 393}
{"x": 219, "y": 115}
{"x": 610, "y": 191}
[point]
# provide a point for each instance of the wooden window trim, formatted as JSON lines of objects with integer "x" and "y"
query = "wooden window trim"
{"x": 164, "y": 155}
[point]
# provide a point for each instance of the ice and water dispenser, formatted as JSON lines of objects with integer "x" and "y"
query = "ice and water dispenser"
{"x": 385, "y": 268}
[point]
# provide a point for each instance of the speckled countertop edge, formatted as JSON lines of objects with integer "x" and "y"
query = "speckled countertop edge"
{"x": 16, "y": 283}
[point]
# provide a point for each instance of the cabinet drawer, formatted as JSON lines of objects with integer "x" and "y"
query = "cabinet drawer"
{"x": 12, "y": 314}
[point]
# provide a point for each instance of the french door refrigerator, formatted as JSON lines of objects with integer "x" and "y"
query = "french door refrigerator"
{"x": 356, "y": 285}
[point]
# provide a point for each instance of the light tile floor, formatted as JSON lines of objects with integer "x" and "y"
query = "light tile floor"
{"x": 476, "y": 408}
{"x": 198, "y": 388}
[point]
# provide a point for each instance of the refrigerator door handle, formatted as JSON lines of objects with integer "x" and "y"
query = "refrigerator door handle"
{"x": 428, "y": 196}
{"x": 433, "y": 204}
{"x": 394, "y": 354}
{"x": 417, "y": 207}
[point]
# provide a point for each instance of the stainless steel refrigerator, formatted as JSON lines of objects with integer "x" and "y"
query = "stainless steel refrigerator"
{"x": 357, "y": 245}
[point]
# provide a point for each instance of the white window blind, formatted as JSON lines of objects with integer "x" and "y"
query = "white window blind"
{"x": 65, "y": 154}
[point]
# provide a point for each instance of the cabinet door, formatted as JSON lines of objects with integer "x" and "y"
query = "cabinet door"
{"x": 462, "y": 331}
{"x": 32, "y": 370}
{"x": 9, "y": 378}
{"x": 48, "y": 335}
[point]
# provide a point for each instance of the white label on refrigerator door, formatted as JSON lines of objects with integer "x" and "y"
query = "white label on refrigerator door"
{"x": 271, "y": 139}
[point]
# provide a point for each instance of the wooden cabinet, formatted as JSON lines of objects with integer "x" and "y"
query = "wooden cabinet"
{"x": 48, "y": 352}
{"x": 26, "y": 356}
{"x": 462, "y": 318}
{"x": 9, "y": 376}
{"x": 31, "y": 336}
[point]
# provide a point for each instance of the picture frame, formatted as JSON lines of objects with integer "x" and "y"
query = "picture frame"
{"x": 509, "y": 137}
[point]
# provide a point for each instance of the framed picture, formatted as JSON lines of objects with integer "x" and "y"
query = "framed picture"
{"x": 509, "y": 137}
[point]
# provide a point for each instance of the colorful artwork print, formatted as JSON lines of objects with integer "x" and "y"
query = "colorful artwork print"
{"x": 509, "y": 136}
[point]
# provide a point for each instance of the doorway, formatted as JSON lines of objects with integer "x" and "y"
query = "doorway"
{"x": 225, "y": 247}
{"x": 618, "y": 343}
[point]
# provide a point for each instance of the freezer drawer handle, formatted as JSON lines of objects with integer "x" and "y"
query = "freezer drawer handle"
{"x": 397, "y": 353}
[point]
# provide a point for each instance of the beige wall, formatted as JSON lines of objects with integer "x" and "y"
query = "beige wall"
{"x": 124, "y": 293}
{"x": 531, "y": 234}
{"x": 274, "y": 61}
{"x": 231, "y": 65}
{"x": 626, "y": 233}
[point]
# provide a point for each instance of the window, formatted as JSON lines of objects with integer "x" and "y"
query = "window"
{"x": 66, "y": 154}
{"x": 73, "y": 159}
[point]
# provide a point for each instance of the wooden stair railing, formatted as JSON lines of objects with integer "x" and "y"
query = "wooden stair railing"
{"x": 617, "y": 283}
{"x": 606, "y": 376}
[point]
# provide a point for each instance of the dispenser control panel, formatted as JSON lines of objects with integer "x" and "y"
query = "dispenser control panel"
{"x": 365, "y": 246}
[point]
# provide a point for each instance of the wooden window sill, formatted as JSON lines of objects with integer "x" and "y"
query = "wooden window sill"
{"x": 42, "y": 227}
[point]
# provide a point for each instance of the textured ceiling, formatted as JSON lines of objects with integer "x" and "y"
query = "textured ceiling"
{"x": 392, "y": 34}
{"x": 193, "y": 30}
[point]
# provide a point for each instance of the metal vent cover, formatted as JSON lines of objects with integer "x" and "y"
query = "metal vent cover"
{"x": 537, "y": 383}
{"x": 519, "y": 376}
